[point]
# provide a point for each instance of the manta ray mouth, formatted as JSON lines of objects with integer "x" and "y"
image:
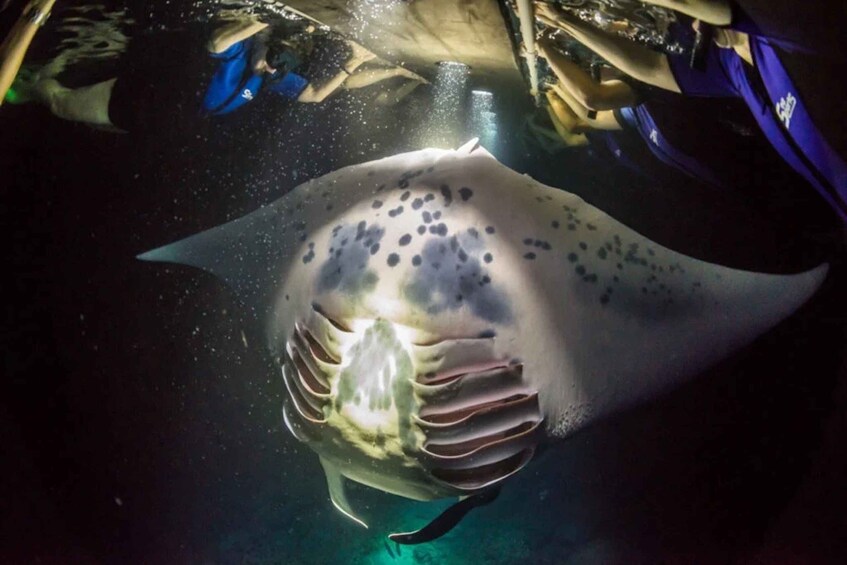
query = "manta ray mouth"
{"x": 464, "y": 417}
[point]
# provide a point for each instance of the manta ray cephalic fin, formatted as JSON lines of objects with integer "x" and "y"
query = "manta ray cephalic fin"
{"x": 448, "y": 519}
{"x": 335, "y": 484}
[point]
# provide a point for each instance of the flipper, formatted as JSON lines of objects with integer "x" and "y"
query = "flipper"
{"x": 335, "y": 483}
{"x": 447, "y": 520}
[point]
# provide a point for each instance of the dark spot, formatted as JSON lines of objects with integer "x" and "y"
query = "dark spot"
{"x": 403, "y": 183}
{"x": 601, "y": 253}
{"x": 374, "y": 248}
{"x": 377, "y": 204}
{"x": 436, "y": 215}
{"x": 527, "y": 241}
{"x": 427, "y": 217}
{"x": 591, "y": 227}
{"x": 580, "y": 270}
{"x": 604, "y": 299}
{"x": 442, "y": 229}
{"x": 429, "y": 197}
{"x": 417, "y": 203}
{"x": 487, "y": 334}
{"x": 583, "y": 245}
{"x": 405, "y": 196}
{"x": 529, "y": 256}
{"x": 487, "y": 258}
{"x": 405, "y": 240}
{"x": 416, "y": 260}
{"x": 473, "y": 232}
{"x": 447, "y": 194}
{"x": 555, "y": 224}
{"x": 421, "y": 230}
{"x": 486, "y": 280}
{"x": 572, "y": 227}
{"x": 462, "y": 256}
{"x": 380, "y": 188}
{"x": 490, "y": 230}
{"x": 573, "y": 257}
{"x": 465, "y": 193}
{"x": 396, "y": 212}
{"x": 329, "y": 207}
{"x": 393, "y": 259}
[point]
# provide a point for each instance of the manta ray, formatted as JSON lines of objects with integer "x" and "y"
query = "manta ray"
{"x": 435, "y": 316}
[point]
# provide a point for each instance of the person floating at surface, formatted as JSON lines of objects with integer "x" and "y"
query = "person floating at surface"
{"x": 613, "y": 105}
{"x": 740, "y": 65}
{"x": 16, "y": 44}
{"x": 153, "y": 88}
{"x": 255, "y": 58}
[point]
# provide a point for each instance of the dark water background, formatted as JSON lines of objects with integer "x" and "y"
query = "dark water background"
{"x": 140, "y": 417}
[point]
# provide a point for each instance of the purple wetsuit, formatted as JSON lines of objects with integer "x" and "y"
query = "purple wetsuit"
{"x": 776, "y": 105}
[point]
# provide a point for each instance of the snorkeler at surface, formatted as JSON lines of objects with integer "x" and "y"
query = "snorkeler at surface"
{"x": 741, "y": 65}
{"x": 255, "y": 58}
{"x": 153, "y": 87}
{"x": 613, "y": 106}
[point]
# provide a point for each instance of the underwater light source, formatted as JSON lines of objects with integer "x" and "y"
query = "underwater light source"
{"x": 483, "y": 119}
{"x": 442, "y": 128}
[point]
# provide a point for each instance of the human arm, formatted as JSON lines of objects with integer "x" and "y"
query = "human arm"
{"x": 366, "y": 77}
{"x": 715, "y": 12}
{"x": 635, "y": 60}
{"x": 228, "y": 35}
{"x": 14, "y": 47}
{"x": 603, "y": 120}
{"x": 595, "y": 95}
{"x": 568, "y": 136}
{"x": 318, "y": 93}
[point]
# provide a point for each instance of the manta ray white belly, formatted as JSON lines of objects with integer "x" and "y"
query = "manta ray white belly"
{"x": 435, "y": 313}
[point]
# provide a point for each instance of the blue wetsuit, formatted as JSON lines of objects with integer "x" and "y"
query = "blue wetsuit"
{"x": 777, "y": 108}
{"x": 235, "y": 85}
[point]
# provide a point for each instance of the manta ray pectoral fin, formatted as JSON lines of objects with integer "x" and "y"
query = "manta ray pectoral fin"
{"x": 448, "y": 519}
{"x": 335, "y": 484}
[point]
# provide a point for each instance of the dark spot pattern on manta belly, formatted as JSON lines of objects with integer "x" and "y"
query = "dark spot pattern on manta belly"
{"x": 393, "y": 260}
{"x": 345, "y": 268}
{"x": 450, "y": 276}
{"x": 377, "y": 204}
{"x": 405, "y": 240}
{"x": 395, "y": 212}
{"x": 490, "y": 230}
{"x": 417, "y": 203}
{"x": 421, "y": 230}
{"x": 466, "y": 193}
